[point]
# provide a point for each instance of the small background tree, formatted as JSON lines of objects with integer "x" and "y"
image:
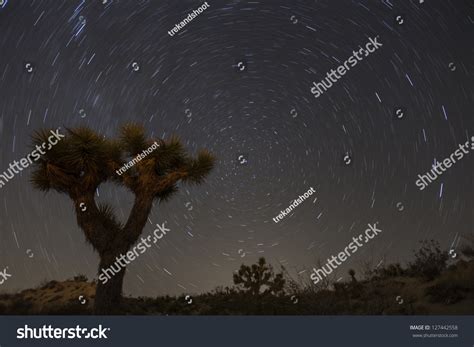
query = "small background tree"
{"x": 83, "y": 160}
{"x": 253, "y": 279}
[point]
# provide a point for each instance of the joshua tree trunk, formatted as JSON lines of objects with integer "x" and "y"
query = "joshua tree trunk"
{"x": 108, "y": 296}
{"x": 111, "y": 241}
{"x": 103, "y": 234}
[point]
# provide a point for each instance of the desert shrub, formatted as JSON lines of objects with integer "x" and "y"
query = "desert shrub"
{"x": 468, "y": 245}
{"x": 221, "y": 290}
{"x": 48, "y": 285}
{"x": 341, "y": 289}
{"x": 80, "y": 278}
{"x": 468, "y": 251}
{"x": 392, "y": 270}
{"x": 455, "y": 285}
{"x": 445, "y": 292}
{"x": 429, "y": 261}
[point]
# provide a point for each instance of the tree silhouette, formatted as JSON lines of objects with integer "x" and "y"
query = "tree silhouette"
{"x": 253, "y": 278}
{"x": 430, "y": 260}
{"x": 83, "y": 160}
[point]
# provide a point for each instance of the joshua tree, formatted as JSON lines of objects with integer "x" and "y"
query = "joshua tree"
{"x": 253, "y": 278}
{"x": 83, "y": 160}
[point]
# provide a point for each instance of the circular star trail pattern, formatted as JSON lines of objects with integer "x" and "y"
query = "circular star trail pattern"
{"x": 236, "y": 80}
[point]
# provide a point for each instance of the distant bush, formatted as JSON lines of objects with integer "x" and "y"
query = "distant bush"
{"x": 392, "y": 270}
{"x": 446, "y": 292}
{"x": 429, "y": 262}
{"x": 80, "y": 278}
{"x": 468, "y": 251}
{"x": 48, "y": 284}
{"x": 456, "y": 284}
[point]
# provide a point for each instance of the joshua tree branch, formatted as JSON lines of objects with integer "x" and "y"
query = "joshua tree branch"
{"x": 169, "y": 181}
{"x": 98, "y": 228}
{"x": 138, "y": 217}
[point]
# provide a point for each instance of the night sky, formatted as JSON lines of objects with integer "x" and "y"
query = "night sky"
{"x": 191, "y": 85}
